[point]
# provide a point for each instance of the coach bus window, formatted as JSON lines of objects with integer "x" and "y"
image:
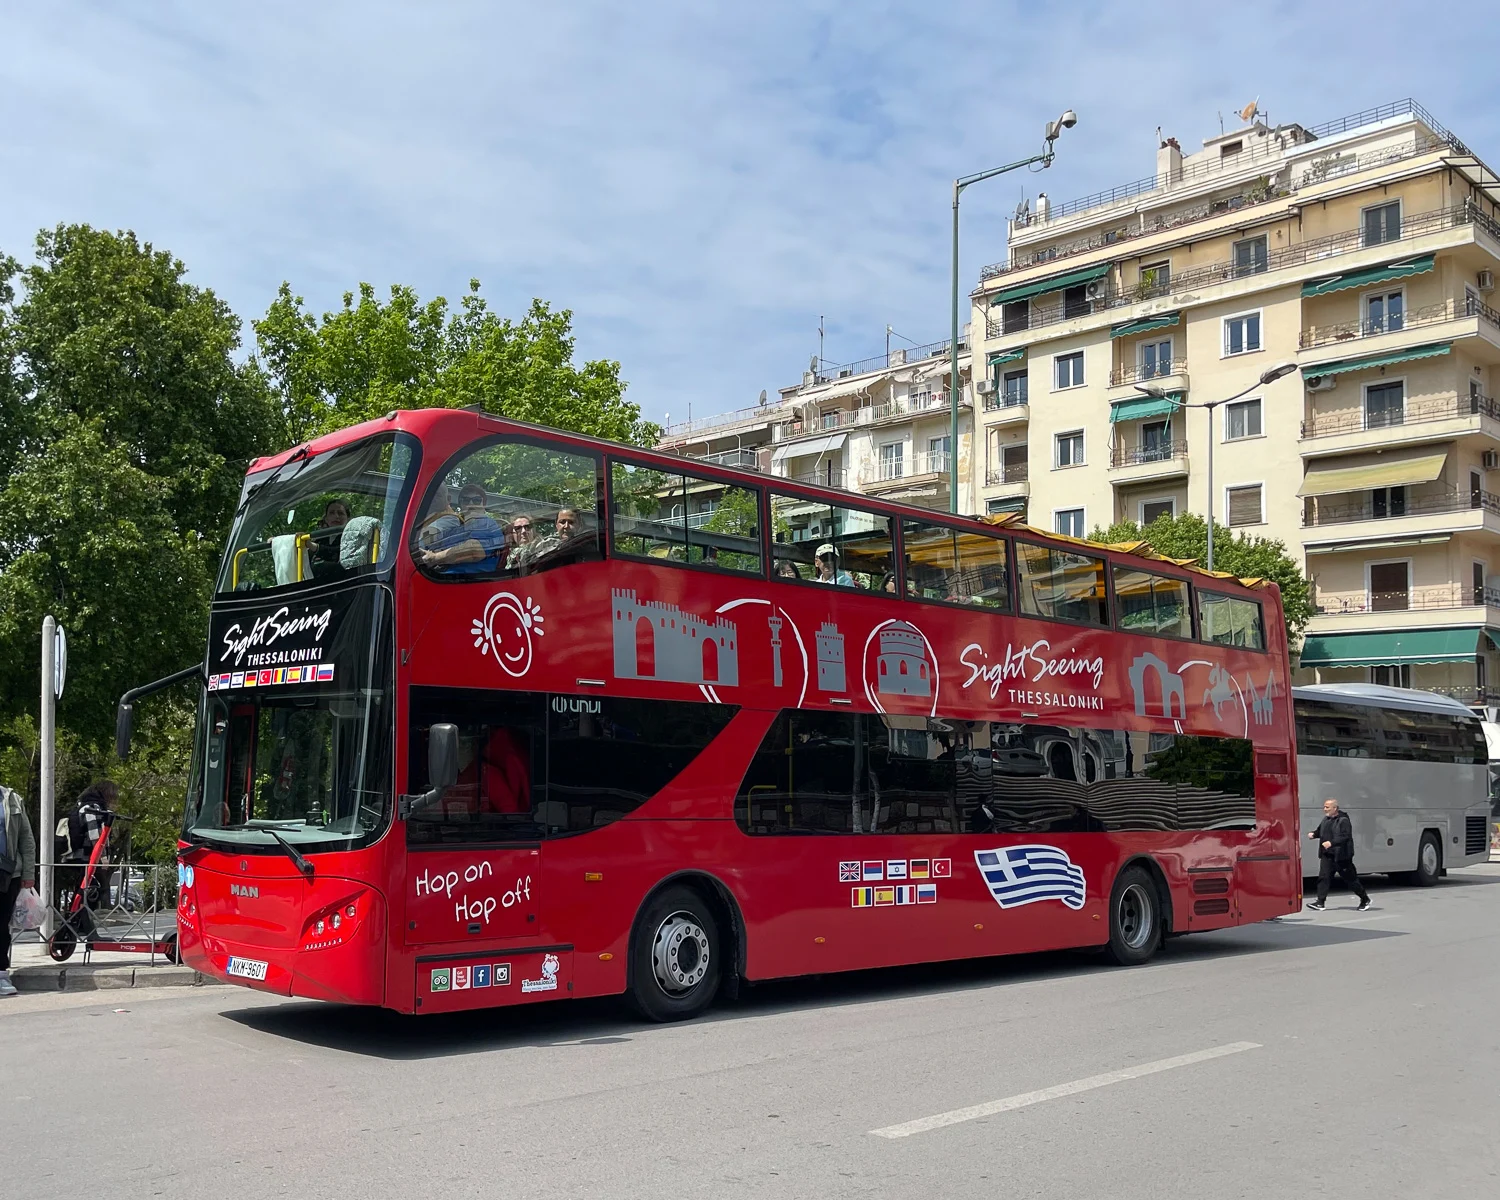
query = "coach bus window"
{"x": 1061, "y": 584}
{"x": 1230, "y": 621}
{"x": 509, "y": 508}
{"x": 1330, "y": 730}
{"x": 1431, "y": 737}
{"x": 805, "y": 531}
{"x": 955, "y": 566}
{"x": 681, "y": 517}
{"x": 1154, "y": 604}
{"x": 535, "y": 765}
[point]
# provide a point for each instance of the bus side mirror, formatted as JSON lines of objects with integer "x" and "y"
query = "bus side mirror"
{"x": 124, "y": 719}
{"x": 442, "y": 756}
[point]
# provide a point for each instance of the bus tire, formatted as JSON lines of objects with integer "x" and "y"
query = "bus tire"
{"x": 676, "y": 956}
{"x": 1429, "y": 861}
{"x": 1135, "y": 918}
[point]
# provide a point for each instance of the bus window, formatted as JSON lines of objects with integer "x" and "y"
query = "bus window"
{"x": 955, "y": 566}
{"x": 1430, "y": 737}
{"x": 509, "y": 508}
{"x": 1154, "y": 604}
{"x": 1331, "y": 730}
{"x": 1062, "y": 585}
{"x": 1230, "y": 621}
{"x": 827, "y": 543}
{"x": 679, "y": 517}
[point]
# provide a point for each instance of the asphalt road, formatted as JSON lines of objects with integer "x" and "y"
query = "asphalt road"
{"x": 1340, "y": 1053}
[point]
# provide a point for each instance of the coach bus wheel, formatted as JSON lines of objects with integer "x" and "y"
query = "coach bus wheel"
{"x": 1429, "y": 861}
{"x": 1134, "y": 918}
{"x": 62, "y": 943}
{"x": 675, "y": 958}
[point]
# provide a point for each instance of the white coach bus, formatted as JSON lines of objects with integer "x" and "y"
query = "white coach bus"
{"x": 1410, "y": 768}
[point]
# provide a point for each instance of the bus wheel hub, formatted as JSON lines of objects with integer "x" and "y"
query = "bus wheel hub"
{"x": 679, "y": 955}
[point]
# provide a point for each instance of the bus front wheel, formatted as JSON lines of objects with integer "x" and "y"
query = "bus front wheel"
{"x": 675, "y": 958}
{"x": 1429, "y": 861}
{"x": 1135, "y": 921}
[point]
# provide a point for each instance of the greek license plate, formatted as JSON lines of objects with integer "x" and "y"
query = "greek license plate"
{"x": 247, "y": 968}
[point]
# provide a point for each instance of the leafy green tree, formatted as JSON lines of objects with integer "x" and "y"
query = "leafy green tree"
{"x": 370, "y": 357}
{"x": 1186, "y": 536}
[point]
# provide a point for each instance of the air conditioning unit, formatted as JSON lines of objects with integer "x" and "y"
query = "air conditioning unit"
{"x": 1323, "y": 383}
{"x": 985, "y": 387}
{"x": 1486, "y": 281}
{"x": 1095, "y": 290}
{"x": 1490, "y": 459}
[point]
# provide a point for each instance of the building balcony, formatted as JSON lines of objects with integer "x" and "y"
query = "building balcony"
{"x": 826, "y": 476}
{"x": 1445, "y": 320}
{"x": 888, "y": 475}
{"x": 1437, "y": 512}
{"x": 921, "y": 404}
{"x": 1132, "y": 463}
{"x": 729, "y": 458}
{"x": 1426, "y": 419}
{"x": 1009, "y": 481}
{"x": 1172, "y": 376}
{"x": 1443, "y": 606}
{"x": 1004, "y": 409}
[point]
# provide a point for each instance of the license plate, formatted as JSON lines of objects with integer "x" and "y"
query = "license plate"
{"x": 247, "y": 968}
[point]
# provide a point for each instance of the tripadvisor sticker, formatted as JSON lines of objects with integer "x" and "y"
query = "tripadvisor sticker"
{"x": 441, "y": 979}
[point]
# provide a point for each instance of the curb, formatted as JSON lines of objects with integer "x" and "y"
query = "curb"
{"x": 88, "y": 978}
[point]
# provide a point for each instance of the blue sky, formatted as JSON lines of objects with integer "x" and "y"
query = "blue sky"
{"x": 697, "y": 183}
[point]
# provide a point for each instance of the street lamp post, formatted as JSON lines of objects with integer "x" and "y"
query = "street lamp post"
{"x": 1043, "y": 160}
{"x": 1161, "y": 393}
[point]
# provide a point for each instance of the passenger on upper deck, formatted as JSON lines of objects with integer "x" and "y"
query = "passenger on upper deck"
{"x": 523, "y": 547}
{"x": 564, "y": 528}
{"x": 472, "y": 544}
{"x": 828, "y": 570}
{"x": 327, "y": 539}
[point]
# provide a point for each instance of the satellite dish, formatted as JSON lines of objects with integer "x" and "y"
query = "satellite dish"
{"x": 1023, "y": 209}
{"x": 762, "y": 395}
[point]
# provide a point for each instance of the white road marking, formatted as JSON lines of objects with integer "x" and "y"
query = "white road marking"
{"x": 975, "y": 1111}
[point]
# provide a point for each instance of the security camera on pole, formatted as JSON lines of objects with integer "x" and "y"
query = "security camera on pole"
{"x": 54, "y": 676}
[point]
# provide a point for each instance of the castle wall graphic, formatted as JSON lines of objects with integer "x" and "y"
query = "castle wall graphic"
{"x": 660, "y": 641}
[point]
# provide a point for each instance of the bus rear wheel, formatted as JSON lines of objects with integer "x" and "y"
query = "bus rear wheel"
{"x": 1135, "y": 922}
{"x": 1429, "y": 861}
{"x": 675, "y": 957}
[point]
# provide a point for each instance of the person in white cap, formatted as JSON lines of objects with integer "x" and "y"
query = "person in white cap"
{"x": 828, "y": 571}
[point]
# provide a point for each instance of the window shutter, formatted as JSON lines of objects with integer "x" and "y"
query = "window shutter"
{"x": 1244, "y": 505}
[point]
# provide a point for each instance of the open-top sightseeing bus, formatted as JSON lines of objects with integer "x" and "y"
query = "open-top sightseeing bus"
{"x": 494, "y": 714}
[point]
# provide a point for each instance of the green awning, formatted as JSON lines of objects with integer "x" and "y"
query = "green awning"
{"x": 1012, "y": 504}
{"x": 1354, "y": 279}
{"x": 1025, "y": 291}
{"x": 1338, "y": 367}
{"x": 1007, "y": 356}
{"x": 1144, "y": 325}
{"x": 1138, "y": 408}
{"x": 1391, "y": 648}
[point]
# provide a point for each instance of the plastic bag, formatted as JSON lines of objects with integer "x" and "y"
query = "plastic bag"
{"x": 28, "y": 911}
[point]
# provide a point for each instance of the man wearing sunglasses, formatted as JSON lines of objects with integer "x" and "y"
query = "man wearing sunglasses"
{"x": 472, "y": 545}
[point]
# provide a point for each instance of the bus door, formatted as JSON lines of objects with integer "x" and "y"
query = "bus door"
{"x": 473, "y": 869}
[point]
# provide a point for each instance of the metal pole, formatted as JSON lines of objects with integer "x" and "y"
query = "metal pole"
{"x": 48, "y": 819}
{"x": 953, "y": 369}
{"x": 1210, "y": 408}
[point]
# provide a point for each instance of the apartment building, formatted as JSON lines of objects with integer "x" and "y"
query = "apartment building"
{"x": 1362, "y": 251}
{"x": 881, "y": 426}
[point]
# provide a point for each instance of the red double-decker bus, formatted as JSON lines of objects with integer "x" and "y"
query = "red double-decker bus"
{"x": 494, "y": 714}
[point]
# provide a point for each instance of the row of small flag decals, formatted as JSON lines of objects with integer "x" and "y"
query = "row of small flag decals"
{"x": 900, "y": 893}
{"x": 318, "y": 673}
{"x": 890, "y": 869}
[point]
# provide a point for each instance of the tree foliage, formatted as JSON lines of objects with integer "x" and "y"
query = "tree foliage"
{"x": 1186, "y": 536}
{"x": 370, "y": 357}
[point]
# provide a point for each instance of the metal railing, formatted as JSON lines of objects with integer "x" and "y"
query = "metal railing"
{"x": 830, "y": 477}
{"x": 1008, "y": 473}
{"x": 131, "y": 902}
{"x": 1140, "y": 372}
{"x": 1430, "y": 314}
{"x": 739, "y": 457}
{"x": 1411, "y": 412}
{"x": 1412, "y": 599}
{"x": 1159, "y": 452}
{"x": 996, "y": 401}
{"x": 899, "y": 357}
{"x": 1317, "y": 512}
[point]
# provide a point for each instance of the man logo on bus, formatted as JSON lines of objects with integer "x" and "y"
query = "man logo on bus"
{"x": 506, "y": 630}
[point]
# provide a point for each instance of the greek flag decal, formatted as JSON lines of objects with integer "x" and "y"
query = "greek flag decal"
{"x": 1019, "y": 875}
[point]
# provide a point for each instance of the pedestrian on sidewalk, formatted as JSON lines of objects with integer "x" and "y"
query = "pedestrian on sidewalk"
{"x": 1335, "y": 836}
{"x": 17, "y": 871}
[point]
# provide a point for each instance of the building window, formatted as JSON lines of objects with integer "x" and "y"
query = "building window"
{"x": 1388, "y": 502}
{"x": 831, "y": 418}
{"x": 1156, "y": 280}
{"x": 1242, "y": 420}
{"x": 1392, "y": 676}
{"x": 1015, "y": 316}
{"x": 1068, "y": 370}
{"x": 1250, "y": 256}
{"x": 1155, "y": 510}
{"x": 1156, "y": 358}
{"x": 1243, "y": 505}
{"x": 1385, "y": 405}
{"x": 1013, "y": 464}
{"x": 892, "y": 460}
{"x": 1069, "y": 521}
{"x": 1382, "y": 223}
{"x": 1390, "y": 586}
{"x": 1076, "y": 302}
{"x": 937, "y": 453}
{"x": 1156, "y": 441}
{"x": 1242, "y": 334}
{"x": 1070, "y": 449}
{"x": 1385, "y": 312}
{"x": 1479, "y": 596}
{"x": 1015, "y": 388}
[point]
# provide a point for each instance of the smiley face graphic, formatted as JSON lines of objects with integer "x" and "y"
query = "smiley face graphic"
{"x": 507, "y": 629}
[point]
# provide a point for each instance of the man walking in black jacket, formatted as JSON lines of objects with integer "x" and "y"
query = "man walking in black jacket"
{"x": 1335, "y": 838}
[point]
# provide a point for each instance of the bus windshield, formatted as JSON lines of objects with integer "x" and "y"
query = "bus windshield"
{"x": 320, "y": 518}
{"x": 301, "y": 752}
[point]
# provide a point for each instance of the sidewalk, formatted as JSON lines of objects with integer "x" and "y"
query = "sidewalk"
{"x": 32, "y": 971}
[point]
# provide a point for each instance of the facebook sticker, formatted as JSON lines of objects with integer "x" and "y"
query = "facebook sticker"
{"x": 1019, "y": 875}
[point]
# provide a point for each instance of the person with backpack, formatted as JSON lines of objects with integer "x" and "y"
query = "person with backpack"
{"x": 17, "y": 871}
{"x": 1335, "y": 836}
{"x": 77, "y": 833}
